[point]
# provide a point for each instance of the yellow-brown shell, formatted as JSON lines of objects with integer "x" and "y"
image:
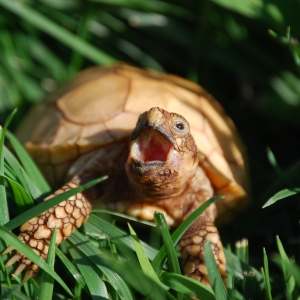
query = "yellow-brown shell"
{"x": 101, "y": 105}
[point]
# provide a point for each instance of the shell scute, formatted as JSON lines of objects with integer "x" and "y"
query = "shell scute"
{"x": 121, "y": 125}
{"x": 93, "y": 110}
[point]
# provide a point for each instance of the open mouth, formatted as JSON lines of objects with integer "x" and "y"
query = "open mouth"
{"x": 150, "y": 146}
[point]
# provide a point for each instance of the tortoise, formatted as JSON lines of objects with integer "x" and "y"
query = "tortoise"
{"x": 165, "y": 143}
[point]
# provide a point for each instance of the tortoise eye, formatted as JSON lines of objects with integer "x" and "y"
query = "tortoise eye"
{"x": 180, "y": 125}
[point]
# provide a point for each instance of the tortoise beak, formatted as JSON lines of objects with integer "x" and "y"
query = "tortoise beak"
{"x": 154, "y": 118}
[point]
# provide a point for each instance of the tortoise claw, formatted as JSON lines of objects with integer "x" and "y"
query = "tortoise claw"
{"x": 28, "y": 275}
{"x": 7, "y": 250}
{"x": 13, "y": 260}
{"x": 24, "y": 264}
{"x": 19, "y": 270}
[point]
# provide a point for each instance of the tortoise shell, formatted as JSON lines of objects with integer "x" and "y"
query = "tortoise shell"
{"x": 101, "y": 105}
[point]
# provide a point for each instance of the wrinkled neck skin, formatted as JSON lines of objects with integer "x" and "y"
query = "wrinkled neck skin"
{"x": 157, "y": 169}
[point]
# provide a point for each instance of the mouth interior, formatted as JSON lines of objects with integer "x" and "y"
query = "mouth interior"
{"x": 151, "y": 146}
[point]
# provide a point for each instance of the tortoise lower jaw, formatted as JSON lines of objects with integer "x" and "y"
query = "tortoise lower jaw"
{"x": 155, "y": 179}
{"x": 139, "y": 165}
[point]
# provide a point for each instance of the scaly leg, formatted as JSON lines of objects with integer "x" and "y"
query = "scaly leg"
{"x": 66, "y": 216}
{"x": 192, "y": 249}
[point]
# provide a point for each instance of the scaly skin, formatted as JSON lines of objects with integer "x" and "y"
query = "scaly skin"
{"x": 162, "y": 173}
{"x": 192, "y": 250}
{"x": 66, "y": 217}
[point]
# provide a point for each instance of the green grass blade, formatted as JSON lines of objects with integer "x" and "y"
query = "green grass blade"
{"x": 242, "y": 250}
{"x": 158, "y": 261}
{"x": 168, "y": 243}
{"x": 119, "y": 271}
{"x": 93, "y": 253}
{"x": 91, "y": 275}
{"x": 179, "y": 232}
{"x": 77, "y": 59}
{"x": 273, "y": 161}
{"x": 292, "y": 283}
{"x": 13, "y": 292}
{"x": 30, "y": 167}
{"x": 41, "y": 22}
{"x": 31, "y": 187}
{"x": 142, "y": 257}
{"x": 20, "y": 175}
{"x": 267, "y": 276}
{"x": 99, "y": 225}
{"x": 70, "y": 267}
{"x": 4, "y": 216}
{"x": 138, "y": 280}
{"x": 12, "y": 240}
{"x": 214, "y": 274}
{"x": 233, "y": 264}
{"x": 296, "y": 272}
{"x": 292, "y": 291}
{"x": 281, "y": 195}
{"x": 171, "y": 254}
{"x": 243, "y": 274}
{"x": 9, "y": 171}
{"x": 188, "y": 286}
{"x": 21, "y": 196}
{"x": 46, "y": 287}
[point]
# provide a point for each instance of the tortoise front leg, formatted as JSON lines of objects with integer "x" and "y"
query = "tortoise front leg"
{"x": 66, "y": 217}
{"x": 192, "y": 248}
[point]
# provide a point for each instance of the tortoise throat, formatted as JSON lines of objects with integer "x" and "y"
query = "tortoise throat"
{"x": 151, "y": 146}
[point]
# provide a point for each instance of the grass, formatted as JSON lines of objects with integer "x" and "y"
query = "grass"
{"x": 246, "y": 53}
{"x": 102, "y": 266}
{"x": 102, "y": 262}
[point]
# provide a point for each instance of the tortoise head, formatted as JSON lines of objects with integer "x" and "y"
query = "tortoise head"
{"x": 162, "y": 156}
